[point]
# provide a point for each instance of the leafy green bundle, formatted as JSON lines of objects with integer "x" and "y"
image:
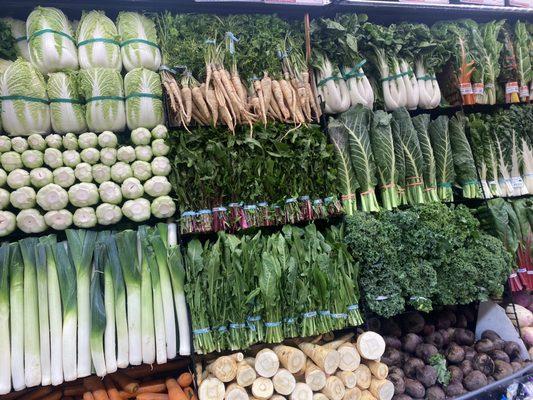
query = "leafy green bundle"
{"x": 440, "y": 142}
{"x": 421, "y": 125}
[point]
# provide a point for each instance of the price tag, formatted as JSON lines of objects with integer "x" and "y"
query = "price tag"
{"x": 489, "y": 85}
{"x": 511, "y": 87}
{"x": 479, "y": 88}
{"x": 517, "y": 182}
{"x": 465, "y": 88}
{"x": 524, "y": 91}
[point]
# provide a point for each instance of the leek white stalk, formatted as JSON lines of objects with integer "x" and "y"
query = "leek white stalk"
{"x": 5, "y": 352}
{"x": 120, "y": 303}
{"x": 32, "y": 356}
{"x": 177, "y": 274}
{"x": 160, "y": 321}
{"x": 127, "y": 251}
{"x": 54, "y": 304}
{"x": 147, "y": 305}
{"x": 16, "y": 308}
{"x": 81, "y": 248}
{"x": 98, "y": 315}
{"x": 109, "y": 303}
{"x": 44, "y": 324}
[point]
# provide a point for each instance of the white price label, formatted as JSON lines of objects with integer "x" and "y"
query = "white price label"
{"x": 517, "y": 182}
{"x": 479, "y": 88}
{"x": 524, "y": 91}
{"x": 511, "y": 87}
{"x": 465, "y": 88}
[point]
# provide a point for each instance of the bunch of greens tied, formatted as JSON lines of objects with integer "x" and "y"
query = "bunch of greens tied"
{"x": 298, "y": 282}
{"x": 428, "y": 255}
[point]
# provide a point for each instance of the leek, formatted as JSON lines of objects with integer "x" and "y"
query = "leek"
{"x": 54, "y": 306}
{"x": 98, "y": 314}
{"x": 32, "y": 356}
{"x": 16, "y": 307}
{"x": 147, "y": 307}
{"x": 5, "y": 354}
{"x": 160, "y": 320}
{"x": 120, "y": 303}
{"x": 127, "y": 252}
{"x": 67, "y": 285}
{"x": 81, "y": 248}
{"x": 109, "y": 302}
{"x": 44, "y": 325}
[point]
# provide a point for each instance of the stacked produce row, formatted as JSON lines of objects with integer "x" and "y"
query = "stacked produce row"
{"x": 97, "y": 300}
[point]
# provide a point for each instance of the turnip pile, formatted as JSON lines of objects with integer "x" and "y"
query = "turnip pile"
{"x": 328, "y": 367}
{"x": 436, "y": 357}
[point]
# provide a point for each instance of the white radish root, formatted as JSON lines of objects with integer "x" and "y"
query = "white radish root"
{"x": 284, "y": 382}
{"x": 378, "y": 369}
{"x": 224, "y": 368}
{"x": 290, "y": 358}
{"x": 327, "y": 359}
{"x": 211, "y": 389}
{"x": 236, "y": 392}
{"x": 352, "y": 394}
{"x": 314, "y": 376}
{"x": 363, "y": 376}
{"x": 302, "y": 392}
{"x": 370, "y": 345}
{"x": 262, "y": 388}
{"x": 348, "y": 378}
{"x": 245, "y": 374}
{"x": 382, "y": 389}
{"x": 334, "y": 388}
{"x": 350, "y": 358}
{"x": 266, "y": 363}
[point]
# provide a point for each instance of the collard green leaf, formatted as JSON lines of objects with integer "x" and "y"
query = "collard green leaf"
{"x": 421, "y": 125}
{"x": 440, "y": 142}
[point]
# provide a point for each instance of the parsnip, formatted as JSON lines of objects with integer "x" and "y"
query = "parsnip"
{"x": 350, "y": 358}
{"x": 266, "y": 363}
{"x": 334, "y": 388}
{"x": 290, "y": 357}
{"x": 327, "y": 359}
{"x": 211, "y": 389}
{"x": 302, "y": 392}
{"x": 352, "y": 394}
{"x": 314, "y": 376}
{"x": 378, "y": 369}
{"x": 363, "y": 377}
{"x": 370, "y": 345}
{"x": 262, "y": 388}
{"x": 236, "y": 392}
{"x": 245, "y": 374}
{"x": 348, "y": 378}
{"x": 224, "y": 368}
{"x": 382, "y": 389}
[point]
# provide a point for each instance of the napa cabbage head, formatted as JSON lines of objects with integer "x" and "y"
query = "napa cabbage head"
{"x": 98, "y": 42}
{"x": 103, "y": 91}
{"x": 144, "y": 101}
{"x": 139, "y": 41}
{"x": 30, "y": 113}
{"x": 66, "y": 110}
{"x": 18, "y": 31}
{"x": 51, "y": 40}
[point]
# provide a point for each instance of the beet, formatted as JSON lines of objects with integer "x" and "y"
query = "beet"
{"x": 402, "y": 397}
{"x": 451, "y": 333}
{"x": 425, "y": 351}
{"x": 396, "y": 371}
{"x": 398, "y": 382}
{"x": 484, "y": 346}
{"x": 446, "y": 319}
{"x": 435, "y": 339}
{"x": 475, "y": 380}
{"x": 469, "y": 315}
{"x": 491, "y": 335}
{"x": 446, "y": 339}
{"x": 391, "y": 328}
{"x": 428, "y": 330}
{"x": 483, "y": 363}
{"x": 391, "y": 357}
{"x": 454, "y": 389}
{"x": 456, "y": 373}
{"x": 498, "y": 344}
{"x": 461, "y": 321}
{"x": 512, "y": 350}
{"x": 470, "y": 352}
{"x": 410, "y": 342}
{"x": 499, "y": 355}
{"x": 490, "y": 379}
{"x": 435, "y": 393}
{"x": 455, "y": 354}
{"x": 464, "y": 337}
{"x": 502, "y": 370}
{"x": 517, "y": 366}
{"x": 466, "y": 367}
{"x": 414, "y": 389}
{"x": 413, "y": 323}
{"x": 410, "y": 367}
{"x": 393, "y": 341}
{"x": 427, "y": 375}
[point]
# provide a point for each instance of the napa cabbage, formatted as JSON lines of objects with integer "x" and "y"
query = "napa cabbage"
{"x": 18, "y": 31}
{"x": 98, "y": 42}
{"x": 66, "y": 109}
{"x": 24, "y": 107}
{"x": 144, "y": 101}
{"x": 103, "y": 92}
{"x": 139, "y": 41}
{"x": 51, "y": 41}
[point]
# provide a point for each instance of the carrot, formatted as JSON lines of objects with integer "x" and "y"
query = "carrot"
{"x": 37, "y": 394}
{"x": 278, "y": 96}
{"x": 126, "y": 395}
{"x": 185, "y": 379}
{"x": 57, "y": 395}
{"x": 140, "y": 371}
{"x": 14, "y": 395}
{"x": 174, "y": 390}
{"x": 96, "y": 386}
{"x": 153, "y": 396}
{"x": 112, "y": 391}
{"x": 125, "y": 382}
{"x": 74, "y": 391}
{"x": 88, "y": 396}
{"x": 189, "y": 392}
{"x": 157, "y": 386}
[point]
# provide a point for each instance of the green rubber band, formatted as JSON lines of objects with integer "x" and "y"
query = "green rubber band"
{"x": 72, "y": 101}
{"x": 388, "y": 78}
{"x": 97, "y": 40}
{"x": 43, "y": 31}
{"x": 130, "y": 41}
{"x": 21, "y": 39}
{"x": 329, "y": 78}
{"x": 444, "y": 184}
{"x": 96, "y": 98}
{"x": 149, "y": 95}
{"x": 425, "y": 78}
{"x": 25, "y": 98}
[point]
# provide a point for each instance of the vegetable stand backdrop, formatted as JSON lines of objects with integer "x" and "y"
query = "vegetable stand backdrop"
{"x": 188, "y": 183}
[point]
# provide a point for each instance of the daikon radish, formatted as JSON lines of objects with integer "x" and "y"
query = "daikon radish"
{"x": 266, "y": 363}
{"x": 211, "y": 389}
{"x": 382, "y": 389}
{"x": 334, "y": 388}
{"x": 314, "y": 376}
{"x": 350, "y": 358}
{"x": 284, "y": 382}
{"x": 262, "y": 388}
{"x": 352, "y": 394}
{"x": 320, "y": 396}
{"x": 348, "y": 378}
{"x": 301, "y": 392}
{"x": 363, "y": 376}
{"x": 245, "y": 374}
{"x": 370, "y": 345}
{"x": 366, "y": 395}
{"x": 224, "y": 368}
{"x": 236, "y": 392}
{"x": 378, "y": 369}
{"x": 290, "y": 358}
{"x": 277, "y": 397}
{"x": 335, "y": 344}
{"x": 327, "y": 359}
